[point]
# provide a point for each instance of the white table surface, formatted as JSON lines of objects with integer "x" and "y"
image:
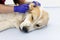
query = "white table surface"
{"x": 51, "y": 32}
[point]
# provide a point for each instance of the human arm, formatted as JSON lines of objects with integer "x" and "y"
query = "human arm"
{"x": 21, "y": 8}
{"x": 6, "y": 9}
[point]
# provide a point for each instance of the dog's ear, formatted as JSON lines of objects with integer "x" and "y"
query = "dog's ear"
{"x": 31, "y": 6}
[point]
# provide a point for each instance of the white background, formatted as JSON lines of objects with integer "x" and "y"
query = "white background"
{"x": 44, "y": 3}
{"x": 51, "y": 32}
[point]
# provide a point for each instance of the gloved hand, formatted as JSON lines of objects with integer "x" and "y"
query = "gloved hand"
{"x": 36, "y": 3}
{"x": 21, "y": 8}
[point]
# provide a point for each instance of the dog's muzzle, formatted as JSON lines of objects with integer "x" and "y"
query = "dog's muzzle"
{"x": 24, "y": 29}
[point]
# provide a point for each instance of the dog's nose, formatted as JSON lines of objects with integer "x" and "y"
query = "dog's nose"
{"x": 24, "y": 29}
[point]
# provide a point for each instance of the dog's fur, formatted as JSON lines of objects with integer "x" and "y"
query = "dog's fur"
{"x": 30, "y": 20}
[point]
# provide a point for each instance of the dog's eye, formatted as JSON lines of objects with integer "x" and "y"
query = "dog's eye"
{"x": 32, "y": 17}
{"x": 37, "y": 25}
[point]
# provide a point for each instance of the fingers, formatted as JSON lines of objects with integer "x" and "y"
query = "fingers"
{"x": 36, "y": 3}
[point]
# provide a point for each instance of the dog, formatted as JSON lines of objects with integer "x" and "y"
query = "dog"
{"x": 35, "y": 18}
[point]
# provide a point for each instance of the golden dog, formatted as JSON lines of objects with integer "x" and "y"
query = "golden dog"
{"x": 35, "y": 18}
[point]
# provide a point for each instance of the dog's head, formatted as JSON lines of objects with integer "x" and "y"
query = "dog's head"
{"x": 32, "y": 20}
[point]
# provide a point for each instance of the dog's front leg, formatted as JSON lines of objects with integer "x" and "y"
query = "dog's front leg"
{"x": 8, "y": 24}
{"x": 5, "y": 25}
{"x": 14, "y": 23}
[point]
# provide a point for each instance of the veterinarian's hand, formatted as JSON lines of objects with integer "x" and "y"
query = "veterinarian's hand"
{"x": 21, "y": 8}
{"x": 36, "y": 3}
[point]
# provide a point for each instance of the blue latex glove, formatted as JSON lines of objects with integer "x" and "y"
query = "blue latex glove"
{"x": 21, "y": 8}
{"x": 36, "y": 3}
